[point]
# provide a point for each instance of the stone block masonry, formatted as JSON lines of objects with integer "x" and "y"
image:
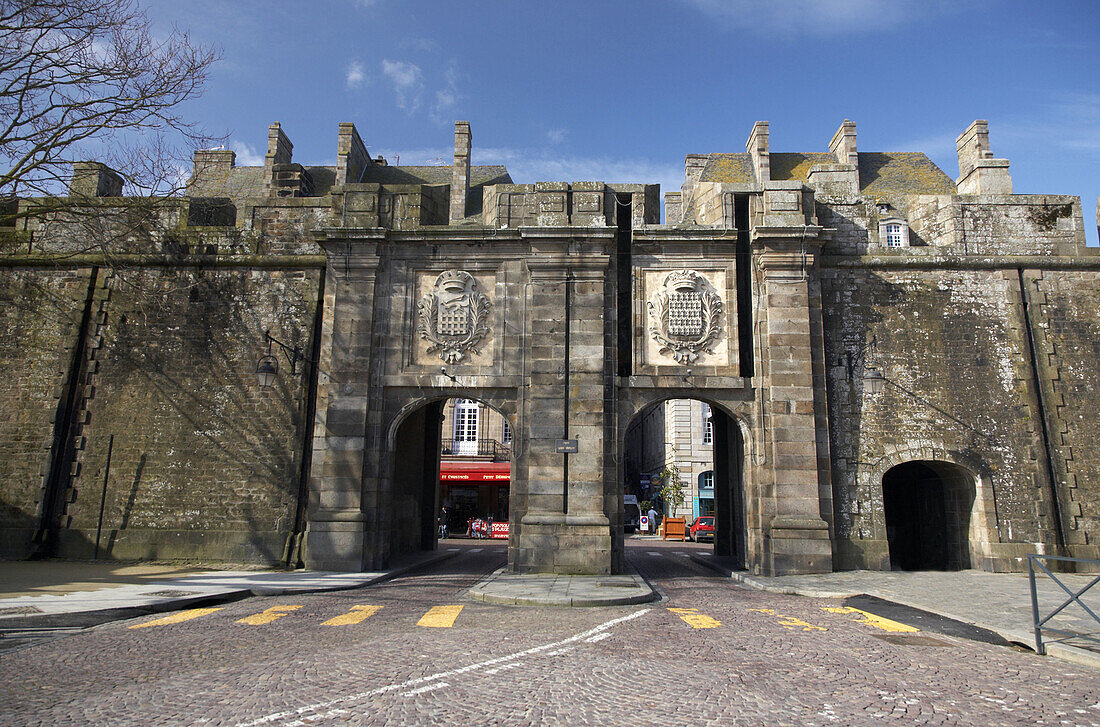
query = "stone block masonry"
{"x": 892, "y": 358}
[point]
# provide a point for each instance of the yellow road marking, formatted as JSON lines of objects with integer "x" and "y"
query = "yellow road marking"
{"x": 696, "y": 620}
{"x": 789, "y": 622}
{"x": 178, "y": 617}
{"x": 357, "y": 614}
{"x": 268, "y": 615}
{"x": 440, "y": 617}
{"x": 878, "y": 622}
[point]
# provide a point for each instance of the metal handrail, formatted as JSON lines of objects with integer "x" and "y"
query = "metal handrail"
{"x": 485, "y": 448}
{"x": 1034, "y": 561}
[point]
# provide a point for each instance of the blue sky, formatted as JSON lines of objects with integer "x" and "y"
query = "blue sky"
{"x": 621, "y": 91}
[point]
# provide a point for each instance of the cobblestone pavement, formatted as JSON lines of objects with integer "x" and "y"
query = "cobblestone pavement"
{"x": 414, "y": 651}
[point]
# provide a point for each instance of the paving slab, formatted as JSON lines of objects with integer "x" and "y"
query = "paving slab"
{"x": 540, "y": 589}
{"x": 999, "y": 602}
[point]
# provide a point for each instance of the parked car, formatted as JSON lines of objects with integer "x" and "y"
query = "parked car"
{"x": 702, "y": 528}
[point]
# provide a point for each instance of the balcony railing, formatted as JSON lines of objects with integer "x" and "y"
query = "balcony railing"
{"x": 486, "y": 448}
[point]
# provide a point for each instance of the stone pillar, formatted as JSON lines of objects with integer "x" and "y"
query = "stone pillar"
{"x": 94, "y": 179}
{"x": 460, "y": 175}
{"x": 338, "y": 516}
{"x": 757, "y": 147}
{"x": 351, "y": 155}
{"x": 555, "y": 536}
{"x": 979, "y": 172}
{"x": 210, "y": 172}
{"x": 279, "y": 152}
{"x": 797, "y": 537}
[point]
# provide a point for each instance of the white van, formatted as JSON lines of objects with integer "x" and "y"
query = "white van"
{"x": 632, "y": 515}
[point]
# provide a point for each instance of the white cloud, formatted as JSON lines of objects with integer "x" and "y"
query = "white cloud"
{"x": 820, "y": 17}
{"x": 356, "y": 75}
{"x": 408, "y": 83}
{"x": 557, "y": 136}
{"x": 247, "y": 156}
{"x": 427, "y": 45}
{"x": 447, "y": 98}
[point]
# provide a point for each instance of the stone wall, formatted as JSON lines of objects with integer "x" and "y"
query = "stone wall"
{"x": 40, "y": 311}
{"x": 160, "y": 351}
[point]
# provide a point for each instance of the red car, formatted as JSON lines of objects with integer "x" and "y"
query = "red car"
{"x": 702, "y": 528}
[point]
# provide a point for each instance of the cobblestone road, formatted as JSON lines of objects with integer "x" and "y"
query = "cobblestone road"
{"x": 412, "y": 651}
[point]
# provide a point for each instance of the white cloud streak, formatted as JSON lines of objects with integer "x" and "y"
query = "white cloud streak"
{"x": 408, "y": 83}
{"x": 820, "y": 17}
{"x": 356, "y": 75}
{"x": 247, "y": 156}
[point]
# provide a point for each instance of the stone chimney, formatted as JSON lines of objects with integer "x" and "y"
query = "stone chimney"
{"x": 757, "y": 147}
{"x": 94, "y": 179}
{"x": 210, "y": 172}
{"x": 460, "y": 176}
{"x": 979, "y": 172}
{"x": 843, "y": 145}
{"x": 284, "y": 178}
{"x": 352, "y": 158}
{"x": 840, "y": 180}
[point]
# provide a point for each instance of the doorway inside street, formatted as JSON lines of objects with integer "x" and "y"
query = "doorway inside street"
{"x": 685, "y": 459}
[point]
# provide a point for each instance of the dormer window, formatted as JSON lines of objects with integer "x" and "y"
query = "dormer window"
{"x": 893, "y": 231}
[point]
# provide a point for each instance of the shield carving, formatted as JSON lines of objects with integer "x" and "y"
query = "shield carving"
{"x": 685, "y": 316}
{"x": 454, "y": 316}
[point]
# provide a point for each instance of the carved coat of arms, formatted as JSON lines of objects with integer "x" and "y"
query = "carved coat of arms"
{"x": 454, "y": 316}
{"x": 685, "y": 315}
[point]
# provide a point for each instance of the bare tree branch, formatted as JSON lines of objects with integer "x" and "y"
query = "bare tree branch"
{"x": 88, "y": 79}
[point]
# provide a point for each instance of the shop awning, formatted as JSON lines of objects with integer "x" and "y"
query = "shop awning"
{"x": 490, "y": 473}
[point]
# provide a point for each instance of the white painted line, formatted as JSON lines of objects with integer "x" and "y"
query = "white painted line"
{"x": 503, "y": 667}
{"x": 316, "y": 718}
{"x": 476, "y": 550}
{"x": 430, "y": 687}
{"x": 654, "y": 552}
{"x": 559, "y": 652}
{"x": 597, "y": 637}
{"x": 360, "y": 696}
{"x": 684, "y": 555}
{"x": 453, "y": 550}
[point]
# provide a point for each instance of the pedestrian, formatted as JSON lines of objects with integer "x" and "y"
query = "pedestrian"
{"x": 443, "y": 522}
{"x": 652, "y": 519}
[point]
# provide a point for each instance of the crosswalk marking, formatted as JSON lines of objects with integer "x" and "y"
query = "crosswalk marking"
{"x": 268, "y": 615}
{"x": 789, "y": 622}
{"x": 696, "y": 620}
{"x": 654, "y": 553}
{"x": 179, "y": 617}
{"x": 440, "y": 617}
{"x": 878, "y": 622}
{"x": 357, "y": 614}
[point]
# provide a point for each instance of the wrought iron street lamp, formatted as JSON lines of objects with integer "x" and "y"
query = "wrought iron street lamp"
{"x": 267, "y": 369}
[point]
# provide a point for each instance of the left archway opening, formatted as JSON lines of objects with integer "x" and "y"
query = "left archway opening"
{"x": 452, "y": 475}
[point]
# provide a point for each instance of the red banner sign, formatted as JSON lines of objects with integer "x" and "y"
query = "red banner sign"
{"x": 500, "y": 530}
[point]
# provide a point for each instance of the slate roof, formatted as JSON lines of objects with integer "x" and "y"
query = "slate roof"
{"x": 246, "y": 182}
{"x": 881, "y": 174}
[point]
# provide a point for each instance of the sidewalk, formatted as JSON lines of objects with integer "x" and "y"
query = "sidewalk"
{"x": 547, "y": 589}
{"x": 997, "y": 602}
{"x": 68, "y": 593}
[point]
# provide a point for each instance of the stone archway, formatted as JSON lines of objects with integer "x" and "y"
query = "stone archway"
{"x": 927, "y": 510}
{"x": 982, "y": 533}
{"x": 727, "y": 448}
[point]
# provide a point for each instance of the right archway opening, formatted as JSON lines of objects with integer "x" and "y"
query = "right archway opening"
{"x": 705, "y": 446}
{"x": 927, "y": 507}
